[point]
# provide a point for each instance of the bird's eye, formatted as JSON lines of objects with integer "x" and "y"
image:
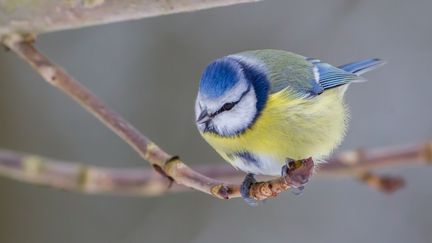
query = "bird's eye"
{"x": 225, "y": 107}
{"x": 228, "y": 106}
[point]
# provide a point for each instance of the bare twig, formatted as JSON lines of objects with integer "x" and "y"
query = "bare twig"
{"x": 39, "y": 16}
{"x": 79, "y": 177}
{"x": 169, "y": 166}
{"x": 144, "y": 182}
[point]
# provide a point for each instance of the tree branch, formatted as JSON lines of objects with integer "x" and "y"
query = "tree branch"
{"x": 144, "y": 182}
{"x": 39, "y": 16}
{"x": 170, "y": 167}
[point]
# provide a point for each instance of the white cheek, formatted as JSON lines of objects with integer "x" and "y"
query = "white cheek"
{"x": 237, "y": 119}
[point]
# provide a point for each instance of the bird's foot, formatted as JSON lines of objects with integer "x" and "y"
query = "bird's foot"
{"x": 297, "y": 173}
{"x": 246, "y": 185}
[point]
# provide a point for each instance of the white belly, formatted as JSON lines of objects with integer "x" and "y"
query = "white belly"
{"x": 264, "y": 165}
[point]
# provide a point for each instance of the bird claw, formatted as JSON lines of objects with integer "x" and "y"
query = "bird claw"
{"x": 248, "y": 181}
{"x": 295, "y": 172}
{"x": 298, "y": 173}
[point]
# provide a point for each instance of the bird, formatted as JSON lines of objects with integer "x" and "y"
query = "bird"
{"x": 262, "y": 109}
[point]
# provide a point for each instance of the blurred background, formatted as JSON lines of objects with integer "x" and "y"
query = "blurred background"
{"x": 148, "y": 70}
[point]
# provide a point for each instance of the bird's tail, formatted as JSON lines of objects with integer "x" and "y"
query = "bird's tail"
{"x": 363, "y": 66}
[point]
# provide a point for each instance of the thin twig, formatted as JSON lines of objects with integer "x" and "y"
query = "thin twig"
{"x": 46, "y": 15}
{"x": 80, "y": 177}
{"x": 144, "y": 182}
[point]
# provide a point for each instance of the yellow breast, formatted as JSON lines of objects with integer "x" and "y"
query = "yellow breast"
{"x": 289, "y": 127}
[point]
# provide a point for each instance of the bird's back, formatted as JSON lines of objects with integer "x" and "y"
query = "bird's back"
{"x": 284, "y": 69}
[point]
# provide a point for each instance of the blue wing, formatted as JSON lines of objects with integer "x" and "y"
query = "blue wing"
{"x": 328, "y": 76}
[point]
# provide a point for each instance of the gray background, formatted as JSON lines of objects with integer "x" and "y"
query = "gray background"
{"x": 148, "y": 71}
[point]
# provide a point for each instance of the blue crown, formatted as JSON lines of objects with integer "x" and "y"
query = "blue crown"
{"x": 219, "y": 77}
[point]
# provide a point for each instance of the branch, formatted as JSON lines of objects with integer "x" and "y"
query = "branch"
{"x": 170, "y": 168}
{"x": 144, "y": 182}
{"x": 39, "y": 16}
{"x": 78, "y": 177}
{"x": 167, "y": 165}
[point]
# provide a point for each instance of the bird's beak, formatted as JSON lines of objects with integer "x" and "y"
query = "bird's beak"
{"x": 203, "y": 117}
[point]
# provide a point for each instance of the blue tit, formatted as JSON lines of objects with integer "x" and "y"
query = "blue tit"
{"x": 259, "y": 109}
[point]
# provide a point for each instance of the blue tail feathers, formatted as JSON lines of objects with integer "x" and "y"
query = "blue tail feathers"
{"x": 363, "y": 66}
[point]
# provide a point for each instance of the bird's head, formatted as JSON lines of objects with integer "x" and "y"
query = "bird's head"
{"x": 232, "y": 93}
